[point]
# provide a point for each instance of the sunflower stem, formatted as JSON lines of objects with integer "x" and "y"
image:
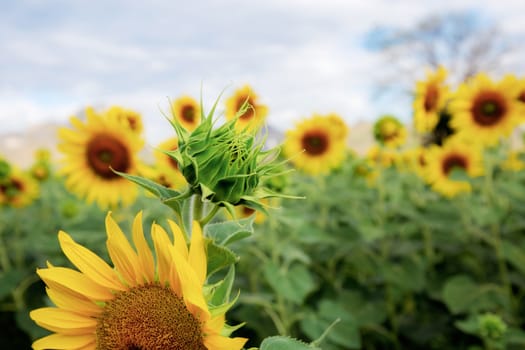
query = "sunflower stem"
{"x": 491, "y": 199}
{"x": 197, "y": 208}
{"x": 209, "y": 216}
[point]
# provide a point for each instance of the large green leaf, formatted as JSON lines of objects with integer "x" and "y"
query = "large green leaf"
{"x": 293, "y": 284}
{"x": 219, "y": 257}
{"x": 285, "y": 343}
{"x": 227, "y": 232}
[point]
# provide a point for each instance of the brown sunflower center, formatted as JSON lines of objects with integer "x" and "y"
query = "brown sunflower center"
{"x": 431, "y": 98}
{"x": 247, "y": 211}
{"x": 104, "y": 151}
{"x": 315, "y": 142}
{"x": 489, "y": 108}
{"x": 132, "y": 122}
{"x": 521, "y": 96}
{"x": 149, "y": 317}
{"x": 454, "y": 161}
{"x": 187, "y": 113}
{"x": 249, "y": 112}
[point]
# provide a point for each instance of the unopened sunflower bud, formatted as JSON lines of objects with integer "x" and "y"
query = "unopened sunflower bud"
{"x": 224, "y": 166}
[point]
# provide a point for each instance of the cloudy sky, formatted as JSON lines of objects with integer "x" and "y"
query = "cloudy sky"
{"x": 300, "y": 56}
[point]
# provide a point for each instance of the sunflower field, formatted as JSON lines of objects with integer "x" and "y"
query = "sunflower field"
{"x": 217, "y": 241}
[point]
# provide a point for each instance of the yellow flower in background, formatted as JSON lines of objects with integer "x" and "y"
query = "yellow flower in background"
{"x": 166, "y": 170}
{"x": 253, "y": 116}
{"x": 18, "y": 189}
{"x": 341, "y": 130}
{"x": 442, "y": 161}
{"x": 416, "y": 160}
{"x": 314, "y": 146}
{"x": 91, "y": 149}
{"x": 161, "y": 158}
{"x": 127, "y": 118}
{"x": 187, "y": 111}
{"x": 383, "y": 157}
{"x": 143, "y": 302}
{"x": 513, "y": 161}
{"x": 484, "y": 111}
{"x": 430, "y": 98}
{"x": 390, "y": 132}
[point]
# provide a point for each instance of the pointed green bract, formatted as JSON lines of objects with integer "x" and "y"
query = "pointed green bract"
{"x": 225, "y": 166}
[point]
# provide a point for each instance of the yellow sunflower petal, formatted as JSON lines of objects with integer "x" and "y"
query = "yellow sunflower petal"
{"x": 121, "y": 252}
{"x": 162, "y": 244}
{"x": 179, "y": 239}
{"x": 191, "y": 287}
{"x": 89, "y": 263}
{"x": 71, "y": 301}
{"x": 75, "y": 281}
{"x": 218, "y": 342}
{"x": 145, "y": 258}
{"x": 61, "y": 341}
{"x": 197, "y": 254}
{"x": 63, "y": 321}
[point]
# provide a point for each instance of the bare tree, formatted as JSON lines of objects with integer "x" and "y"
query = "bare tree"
{"x": 465, "y": 43}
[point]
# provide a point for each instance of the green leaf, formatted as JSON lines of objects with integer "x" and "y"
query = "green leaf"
{"x": 285, "y": 343}
{"x": 227, "y": 232}
{"x": 219, "y": 257}
{"x": 462, "y": 294}
{"x": 514, "y": 255}
{"x": 222, "y": 291}
{"x": 293, "y": 284}
{"x": 408, "y": 275}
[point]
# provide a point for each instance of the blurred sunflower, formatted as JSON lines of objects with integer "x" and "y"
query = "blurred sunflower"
{"x": 455, "y": 154}
{"x": 431, "y": 95}
{"x": 415, "y": 160}
{"x": 127, "y": 118}
{"x": 340, "y": 128}
{"x": 484, "y": 110}
{"x": 187, "y": 111}
{"x": 166, "y": 170}
{"x": 514, "y": 161}
{"x": 144, "y": 302}
{"x": 390, "y": 132}
{"x": 18, "y": 189}
{"x": 378, "y": 156}
{"x": 161, "y": 158}
{"x": 314, "y": 146}
{"x": 91, "y": 150}
{"x": 252, "y": 116}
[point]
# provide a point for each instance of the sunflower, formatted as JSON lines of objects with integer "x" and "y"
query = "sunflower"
{"x": 187, "y": 111}
{"x": 251, "y": 117}
{"x": 390, "y": 132}
{"x": 415, "y": 160}
{"x": 166, "y": 170}
{"x": 143, "y": 302}
{"x": 18, "y": 189}
{"x": 514, "y": 161}
{"x": 455, "y": 154}
{"x": 314, "y": 146}
{"x": 382, "y": 157}
{"x": 128, "y": 118}
{"x": 91, "y": 150}
{"x": 484, "y": 110}
{"x": 431, "y": 95}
